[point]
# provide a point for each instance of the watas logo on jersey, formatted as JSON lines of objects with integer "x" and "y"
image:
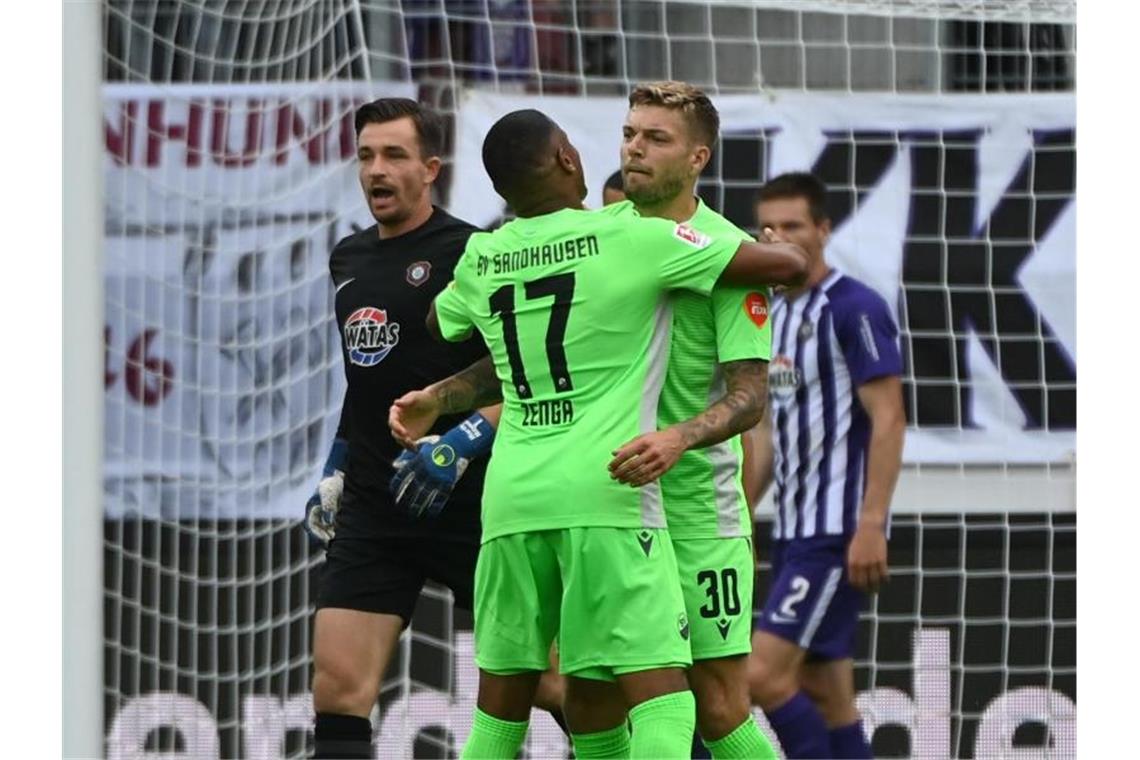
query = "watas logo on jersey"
{"x": 783, "y": 378}
{"x": 756, "y": 307}
{"x": 369, "y": 336}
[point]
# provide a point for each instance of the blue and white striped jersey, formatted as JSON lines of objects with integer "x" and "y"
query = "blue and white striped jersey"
{"x": 825, "y": 344}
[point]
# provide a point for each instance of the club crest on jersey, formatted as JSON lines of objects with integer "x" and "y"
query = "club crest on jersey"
{"x": 756, "y": 307}
{"x": 690, "y": 236}
{"x": 783, "y": 378}
{"x": 369, "y": 336}
{"x": 418, "y": 273}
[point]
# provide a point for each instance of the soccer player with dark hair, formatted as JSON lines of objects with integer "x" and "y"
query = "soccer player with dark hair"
{"x": 379, "y": 555}
{"x": 573, "y": 306}
{"x": 613, "y": 191}
{"x": 833, "y": 450}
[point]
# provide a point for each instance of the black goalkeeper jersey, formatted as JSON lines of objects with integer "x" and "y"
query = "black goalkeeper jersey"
{"x": 383, "y": 291}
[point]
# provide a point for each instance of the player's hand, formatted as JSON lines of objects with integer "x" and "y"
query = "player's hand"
{"x": 867, "y": 558}
{"x": 321, "y": 509}
{"x": 769, "y": 235}
{"x": 425, "y": 478}
{"x": 647, "y": 457}
{"x": 411, "y": 416}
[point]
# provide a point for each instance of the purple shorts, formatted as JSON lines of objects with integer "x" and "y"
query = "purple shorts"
{"x": 811, "y": 604}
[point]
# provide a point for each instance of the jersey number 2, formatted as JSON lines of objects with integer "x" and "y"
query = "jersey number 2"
{"x": 561, "y": 287}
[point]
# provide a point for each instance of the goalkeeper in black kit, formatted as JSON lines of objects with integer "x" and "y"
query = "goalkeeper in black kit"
{"x": 378, "y": 508}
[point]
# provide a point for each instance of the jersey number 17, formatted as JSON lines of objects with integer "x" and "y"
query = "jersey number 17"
{"x": 561, "y": 287}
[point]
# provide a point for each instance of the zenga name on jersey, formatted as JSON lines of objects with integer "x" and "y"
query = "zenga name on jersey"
{"x": 555, "y": 412}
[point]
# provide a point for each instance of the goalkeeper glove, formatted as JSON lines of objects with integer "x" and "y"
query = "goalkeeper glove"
{"x": 425, "y": 477}
{"x": 321, "y": 509}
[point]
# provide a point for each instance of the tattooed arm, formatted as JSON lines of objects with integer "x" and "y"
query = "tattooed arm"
{"x": 649, "y": 456}
{"x": 473, "y": 387}
{"x": 412, "y": 415}
{"x": 740, "y": 408}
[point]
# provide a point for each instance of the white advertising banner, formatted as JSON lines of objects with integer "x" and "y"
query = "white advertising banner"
{"x": 223, "y": 376}
{"x": 972, "y": 178}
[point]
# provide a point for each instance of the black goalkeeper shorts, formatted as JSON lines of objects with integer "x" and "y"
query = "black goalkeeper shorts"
{"x": 387, "y": 574}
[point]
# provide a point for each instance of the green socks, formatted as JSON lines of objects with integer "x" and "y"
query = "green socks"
{"x": 602, "y": 744}
{"x": 663, "y": 727}
{"x": 746, "y": 741}
{"x": 494, "y": 739}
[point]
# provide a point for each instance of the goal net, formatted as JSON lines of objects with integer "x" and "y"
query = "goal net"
{"x": 944, "y": 130}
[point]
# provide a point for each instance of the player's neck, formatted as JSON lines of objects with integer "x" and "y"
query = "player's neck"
{"x": 680, "y": 208}
{"x": 543, "y": 206}
{"x": 414, "y": 220}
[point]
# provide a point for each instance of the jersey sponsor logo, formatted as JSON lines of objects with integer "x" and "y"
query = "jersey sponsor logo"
{"x": 756, "y": 307}
{"x": 691, "y": 236}
{"x": 418, "y": 273}
{"x": 783, "y": 378}
{"x": 369, "y": 336}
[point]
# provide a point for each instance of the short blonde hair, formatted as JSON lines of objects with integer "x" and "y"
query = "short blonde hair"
{"x": 704, "y": 121}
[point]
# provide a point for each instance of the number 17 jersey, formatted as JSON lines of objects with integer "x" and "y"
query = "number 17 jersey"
{"x": 573, "y": 307}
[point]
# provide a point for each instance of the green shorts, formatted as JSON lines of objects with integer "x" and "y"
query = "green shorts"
{"x": 716, "y": 579}
{"x": 609, "y": 595}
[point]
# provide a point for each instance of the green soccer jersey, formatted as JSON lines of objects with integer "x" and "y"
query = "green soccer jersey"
{"x": 573, "y": 306}
{"x": 704, "y": 495}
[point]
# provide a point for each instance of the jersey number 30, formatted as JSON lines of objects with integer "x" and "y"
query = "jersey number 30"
{"x": 561, "y": 287}
{"x": 720, "y": 595}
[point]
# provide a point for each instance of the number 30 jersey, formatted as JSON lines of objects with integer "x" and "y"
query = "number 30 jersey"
{"x": 574, "y": 308}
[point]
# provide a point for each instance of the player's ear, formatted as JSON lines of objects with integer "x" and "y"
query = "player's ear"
{"x": 566, "y": 160}
{"x": 700, "y": 158}
{"x": 433, "y": 165}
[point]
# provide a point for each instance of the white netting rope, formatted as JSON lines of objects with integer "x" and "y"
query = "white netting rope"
{"x": 1027, "y": 11}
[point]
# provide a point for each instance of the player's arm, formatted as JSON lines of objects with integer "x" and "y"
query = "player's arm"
{"x": 649, "y": 456}
{"x": 425, "y": 477}
{"x": 432, "y": 322}
{"x": 758, "y": 470}
{"x": 766, "y": 263}
{"x": 758, "y": 458}
{"x": 412, "y": 415}
{"x": 427, "y": 472}
{"x": 881, "y": 398}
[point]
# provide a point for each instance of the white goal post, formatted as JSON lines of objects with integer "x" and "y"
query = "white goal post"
{"x": 82, "y": 719}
